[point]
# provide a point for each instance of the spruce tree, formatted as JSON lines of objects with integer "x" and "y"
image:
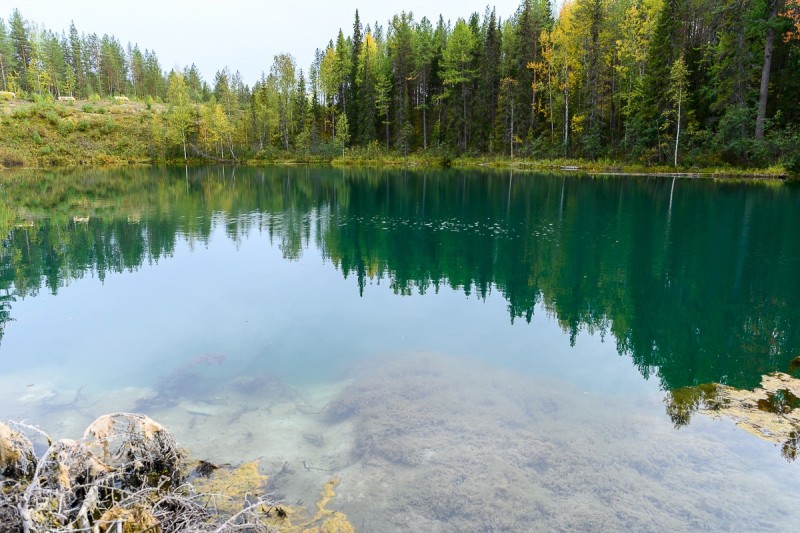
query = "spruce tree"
{"x": 358, "y": 42}
{"x": 457, "y": 71}
{"x": 7, "y": 62}
{"x": 21, "y": 44}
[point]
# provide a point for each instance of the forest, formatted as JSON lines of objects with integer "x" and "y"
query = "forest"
{"x": 660, "y": 82}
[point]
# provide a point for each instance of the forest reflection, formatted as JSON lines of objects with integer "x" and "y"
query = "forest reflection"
{"x": 694, "y": 279}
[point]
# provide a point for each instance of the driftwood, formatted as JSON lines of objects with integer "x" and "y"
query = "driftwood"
{"x": 125, "y": 474}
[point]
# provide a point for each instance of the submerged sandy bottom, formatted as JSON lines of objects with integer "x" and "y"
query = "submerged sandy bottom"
{"x": 430, "y": 442}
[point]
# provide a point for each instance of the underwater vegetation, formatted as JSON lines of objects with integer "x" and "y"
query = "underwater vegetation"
{"x": 186, "y": 380}
{"x": 451, "y": 444}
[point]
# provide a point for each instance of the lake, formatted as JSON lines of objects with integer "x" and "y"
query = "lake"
{"x": 465, "y": 351}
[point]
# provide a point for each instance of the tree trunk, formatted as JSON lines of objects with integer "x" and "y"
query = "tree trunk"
{"x": 566, "y": 107}
{"x": 424, "y": 126}
{"x": 183, "y": 138}
{"x": 678, "y": 134}
{"x": 511, "y": 142}
{"x": 533, "y": 102}
{"x": 464, "y": 94}
{"x": 769, "y": 43}
{"x": 230, "y": 147}
{"x": 552, "y": 118}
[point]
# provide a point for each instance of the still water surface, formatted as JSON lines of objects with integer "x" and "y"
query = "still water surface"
{"x": 464, "y": 350}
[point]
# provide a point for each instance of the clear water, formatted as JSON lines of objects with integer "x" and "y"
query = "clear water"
{"x": 464, "y": 350}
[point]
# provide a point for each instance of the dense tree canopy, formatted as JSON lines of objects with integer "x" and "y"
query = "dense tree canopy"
{"x": 712, "y": 81}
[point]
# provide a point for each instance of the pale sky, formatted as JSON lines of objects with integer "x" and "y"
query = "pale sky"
{"x": 242, "y": 34}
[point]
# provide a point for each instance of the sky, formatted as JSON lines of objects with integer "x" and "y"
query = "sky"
{"x": 242, "y": 34}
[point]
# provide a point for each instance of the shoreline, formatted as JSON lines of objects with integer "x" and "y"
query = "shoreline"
{"x": 577, "y": 168}
{"x": 108, "y": 135}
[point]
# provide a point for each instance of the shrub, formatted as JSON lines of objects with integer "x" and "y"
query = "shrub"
{"x": 10, "y": 159}
{"x": 66, "y": 127}
{"x": 109, "y": 126}
{"x": 83, "y": 124}
{"x": 793, "y": 164}
{"x": 23, "y": 112}
{"x": 52, "y": 117}
{"x": 45, "y": 98}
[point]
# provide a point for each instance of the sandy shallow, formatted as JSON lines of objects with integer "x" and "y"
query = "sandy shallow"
{"x": 431, "y": 442}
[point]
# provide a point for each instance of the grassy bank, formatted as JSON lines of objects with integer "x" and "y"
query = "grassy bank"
{"x": 83, "y": 133}
{"x": 559, "y": 165}
{"x": 104, "y": 133}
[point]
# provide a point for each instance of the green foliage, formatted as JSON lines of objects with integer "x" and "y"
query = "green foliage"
{"x": 65, "y": 127}
{"x": 23, "y": 112}
{"x": 793, "y": 164}
{"x": 109, "y": 126}
{"x": 52, "y": 117}
{"x": 599, "y": 80}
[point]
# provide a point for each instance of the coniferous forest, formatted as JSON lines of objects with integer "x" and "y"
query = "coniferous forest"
{"x": 659, "y": 82}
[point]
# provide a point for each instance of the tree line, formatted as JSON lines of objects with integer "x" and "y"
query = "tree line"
{"x": 660, "y": 81}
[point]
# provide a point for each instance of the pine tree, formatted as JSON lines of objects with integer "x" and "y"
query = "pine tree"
{"x": 7, "y": 63}
{"x": 75, "y": 59}
{"x": 21, "y": 44}
{"x": 774, "y": 8}
{"x": 369, "y": 64}
{"x": 667, "y": 44}
{"x": 457, "y": 69}
{"x": 300, "y": 105}
{"x": 400, "y": 45}
{"x": 531, "y": 19}
{"x": 488, "y": 83}
{"x": 355, "y": 108}
{"x": 424, "y": 54}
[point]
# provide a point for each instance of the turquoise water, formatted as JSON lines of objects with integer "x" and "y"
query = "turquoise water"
{"x": 463, "y": 350}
